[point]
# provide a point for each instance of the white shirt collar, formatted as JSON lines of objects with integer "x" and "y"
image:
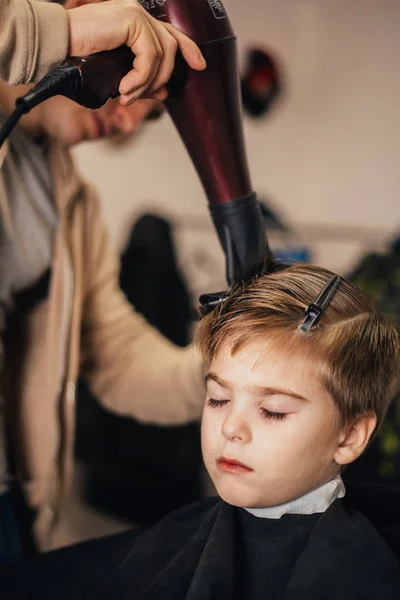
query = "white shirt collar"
{"x": 316, "y": 501}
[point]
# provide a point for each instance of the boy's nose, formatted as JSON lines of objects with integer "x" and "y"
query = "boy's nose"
{"x": 236, "y": 429}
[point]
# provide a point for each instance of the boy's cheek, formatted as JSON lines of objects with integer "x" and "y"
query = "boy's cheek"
{"x": 211, "y": 426}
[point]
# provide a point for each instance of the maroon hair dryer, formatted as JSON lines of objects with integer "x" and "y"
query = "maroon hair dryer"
{"x": 206, "y": 109}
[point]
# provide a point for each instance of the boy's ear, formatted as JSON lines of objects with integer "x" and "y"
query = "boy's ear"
{"x": 354, "y": 439}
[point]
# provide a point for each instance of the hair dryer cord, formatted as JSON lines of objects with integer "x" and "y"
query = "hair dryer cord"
{"x": 65, "y": 80}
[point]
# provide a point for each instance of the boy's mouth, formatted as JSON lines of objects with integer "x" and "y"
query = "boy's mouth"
{"x": 230, "y": 465}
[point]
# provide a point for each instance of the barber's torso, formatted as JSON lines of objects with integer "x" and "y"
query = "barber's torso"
{"x": 26, "y": 237}
{"x": 42, "y": 199}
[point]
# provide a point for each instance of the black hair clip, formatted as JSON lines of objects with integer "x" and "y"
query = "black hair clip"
{"x": 320, "y": 304}
{"x": 209, "y": 301}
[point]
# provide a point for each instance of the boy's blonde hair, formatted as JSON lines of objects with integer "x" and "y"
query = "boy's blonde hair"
{"x": 355, "y": 349}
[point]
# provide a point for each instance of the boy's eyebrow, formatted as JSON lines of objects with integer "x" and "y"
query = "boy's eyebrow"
{"x": 256, "y": 390}
{"x": 213, "y": 377}
{"x": 273, "y": 391}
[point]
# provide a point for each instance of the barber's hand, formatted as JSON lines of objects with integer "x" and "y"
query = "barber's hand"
{"x": 107, "y": 25}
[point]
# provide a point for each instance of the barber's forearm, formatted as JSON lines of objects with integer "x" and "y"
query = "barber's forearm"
{"x": 154, "y": 382}
{"x": 129, "y": 365}
{"x": 33, "y": 39}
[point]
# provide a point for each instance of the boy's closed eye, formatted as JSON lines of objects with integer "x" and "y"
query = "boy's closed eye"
{"x": 264, "y": 412}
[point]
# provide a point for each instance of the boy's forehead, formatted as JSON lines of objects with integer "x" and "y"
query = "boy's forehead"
{"x": 257, "y": 367}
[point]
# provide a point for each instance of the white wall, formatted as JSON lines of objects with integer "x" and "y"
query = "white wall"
{"x": 329, "y": 153}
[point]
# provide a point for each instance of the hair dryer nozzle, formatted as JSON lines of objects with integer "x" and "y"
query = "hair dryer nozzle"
{"x": 242, "y": 234}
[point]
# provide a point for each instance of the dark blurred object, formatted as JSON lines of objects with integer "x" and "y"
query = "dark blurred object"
{"x": 283, "y": 239}
{"x": 261, "y": 83}
{"x": 139, "y": 472}
{"x": 151, "y": 281}
{"x": 270, "y": 218}
{"x": 378, "y": 275}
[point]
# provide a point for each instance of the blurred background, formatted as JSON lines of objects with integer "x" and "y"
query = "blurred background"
{"x": 326, "y": 156}
{"x": 322, "y": 96}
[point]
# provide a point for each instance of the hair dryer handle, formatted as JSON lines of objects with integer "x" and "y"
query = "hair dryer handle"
{"x": 101, "y": 74}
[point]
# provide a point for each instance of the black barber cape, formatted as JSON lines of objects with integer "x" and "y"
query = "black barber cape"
{"x": 213, "y": 551}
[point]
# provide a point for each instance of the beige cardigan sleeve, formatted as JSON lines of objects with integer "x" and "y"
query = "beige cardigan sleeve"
{"x": 132, "y": 368}
{"x": 33, "y": 39}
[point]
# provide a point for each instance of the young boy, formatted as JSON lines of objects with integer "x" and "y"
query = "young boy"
{"x": 300, "y": 372}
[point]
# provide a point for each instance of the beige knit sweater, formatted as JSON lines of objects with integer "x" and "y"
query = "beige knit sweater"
{"x": 33, "y": 39}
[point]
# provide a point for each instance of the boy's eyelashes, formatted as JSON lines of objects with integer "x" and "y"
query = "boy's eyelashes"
{"x": 268, "y": 414}
{"x": 265, "y": 413}
{"x": 216, "y": 403}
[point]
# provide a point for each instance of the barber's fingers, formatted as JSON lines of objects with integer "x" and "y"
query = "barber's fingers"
{"x": 159, "y": 75}
{"x": 189, "y": 49}
{"x": 146, "y": 64}
{"x": 106, "y": 25}
{"x": 167, "y": 40}
{"x": 169, "y": 46}
{"x": 171, "y": 41}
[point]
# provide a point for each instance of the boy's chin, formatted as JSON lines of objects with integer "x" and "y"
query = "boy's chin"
{"x": 238, "y": 495}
